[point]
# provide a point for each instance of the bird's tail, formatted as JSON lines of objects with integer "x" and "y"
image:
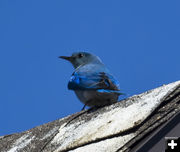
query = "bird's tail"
{"x": 110, "y": 91}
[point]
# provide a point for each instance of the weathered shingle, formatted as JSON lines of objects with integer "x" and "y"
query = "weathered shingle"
{"x": 118, "y": 127}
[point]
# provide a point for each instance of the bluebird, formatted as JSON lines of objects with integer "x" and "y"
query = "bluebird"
{"x": 91, "y": 81}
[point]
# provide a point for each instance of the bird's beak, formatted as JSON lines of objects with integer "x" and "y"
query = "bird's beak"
{"x": 69, "y": 58}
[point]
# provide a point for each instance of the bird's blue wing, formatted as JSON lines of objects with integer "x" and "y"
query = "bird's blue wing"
{"x": 93, "y": 81}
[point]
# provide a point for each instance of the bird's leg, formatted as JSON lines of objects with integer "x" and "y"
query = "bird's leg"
{"x": 83, "y": 107}
{"x": 85, "y": 104}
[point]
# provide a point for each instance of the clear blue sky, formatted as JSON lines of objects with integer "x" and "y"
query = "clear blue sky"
{"x": 139, "y": 41}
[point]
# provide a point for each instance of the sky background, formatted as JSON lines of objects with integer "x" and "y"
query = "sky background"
{"x": 139, "y": 41}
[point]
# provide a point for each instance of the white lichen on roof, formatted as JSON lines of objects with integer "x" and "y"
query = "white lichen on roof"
{"x": 109, "y": 145}
{"x": 21, "y": 143}
{"x": 1, "y": 137}
{"x": 48, "y": 134}
{"x": 112, "y": 122}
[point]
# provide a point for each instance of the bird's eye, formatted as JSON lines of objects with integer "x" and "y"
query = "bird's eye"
{"x": 80, "y": 55}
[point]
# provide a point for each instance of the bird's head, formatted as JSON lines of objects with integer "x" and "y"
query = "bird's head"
{"x": 81, "y": 58}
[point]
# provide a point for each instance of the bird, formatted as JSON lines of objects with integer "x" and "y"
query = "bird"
{"x": 91, "y": 80}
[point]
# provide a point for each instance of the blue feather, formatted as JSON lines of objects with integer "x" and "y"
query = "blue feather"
{"x": 91, "y": 81}
{"x": 109, "y": 91}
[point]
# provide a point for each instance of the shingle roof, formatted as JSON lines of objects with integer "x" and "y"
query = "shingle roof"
{"x": 124, "y": 126}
